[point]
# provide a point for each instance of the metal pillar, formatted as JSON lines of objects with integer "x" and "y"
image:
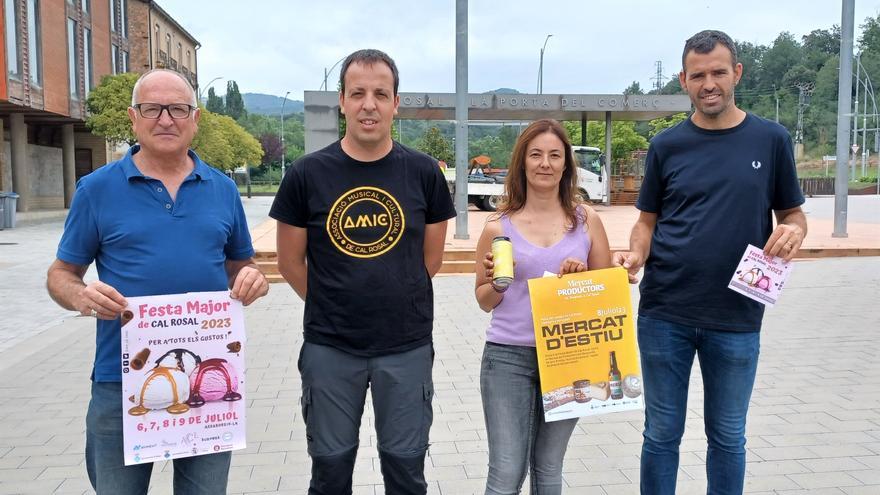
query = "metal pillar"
{"x": 844, "y": 92}
{"x": 68, "y": 160}
{"x": 21, "y": 182}
{"x": 608, "y": 158}
{"x": 461, "y": 119}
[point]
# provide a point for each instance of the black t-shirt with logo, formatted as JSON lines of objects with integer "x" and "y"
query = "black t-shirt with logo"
{"x": 369, "y": 292}
{"x": 714, "y": 192}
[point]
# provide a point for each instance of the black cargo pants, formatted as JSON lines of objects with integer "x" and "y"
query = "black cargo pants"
{"x": 334, "y": 389}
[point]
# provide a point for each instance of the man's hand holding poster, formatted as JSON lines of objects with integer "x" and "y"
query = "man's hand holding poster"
{"x": 182, "y": 376}
{"x": 586, "y": 342}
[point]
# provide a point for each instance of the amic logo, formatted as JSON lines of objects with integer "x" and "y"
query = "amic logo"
{"x": 756, "y": 164}
{"x": 365, "y": 222}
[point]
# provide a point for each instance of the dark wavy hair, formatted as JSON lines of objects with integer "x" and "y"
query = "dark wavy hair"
{"x": 706, "y": 41}
{"x": 515, "y": 184}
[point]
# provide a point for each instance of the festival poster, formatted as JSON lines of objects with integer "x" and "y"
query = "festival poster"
{"x": 759, "y": 277}
{"x": 588, "y": 356}
{"x": 183, "y": 380}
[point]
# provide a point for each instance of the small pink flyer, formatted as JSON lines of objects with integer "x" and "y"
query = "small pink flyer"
{"x": 760, "y": 277}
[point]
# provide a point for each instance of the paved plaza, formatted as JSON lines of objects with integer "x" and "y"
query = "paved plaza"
{"x": 814, "y": 423}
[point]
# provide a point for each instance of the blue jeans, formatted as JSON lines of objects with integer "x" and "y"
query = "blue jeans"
{"x": 204, "y": 474}
{"x": 728, "y": 361}
{"x": 519, "y": 439}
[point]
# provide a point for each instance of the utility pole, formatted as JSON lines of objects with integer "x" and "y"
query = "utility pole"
{"x": 541, "y": 66}
{"x": 658, "y": 78}
{"x": 844, "y": 92}
{"x": 283, "y": 151}
{"x": 804, "y": 92}
{"x": 855, "y": 138}
{"x": 461, "y": 119}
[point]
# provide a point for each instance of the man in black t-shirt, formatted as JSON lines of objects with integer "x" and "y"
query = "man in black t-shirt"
{"x": 361, "y": 229}
{"x": 712, "y": 184}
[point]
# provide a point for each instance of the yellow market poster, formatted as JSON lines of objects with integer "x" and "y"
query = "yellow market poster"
{"x": 588, "y": 356}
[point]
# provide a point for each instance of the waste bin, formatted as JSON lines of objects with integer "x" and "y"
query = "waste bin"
{"x": 7, "y": 209}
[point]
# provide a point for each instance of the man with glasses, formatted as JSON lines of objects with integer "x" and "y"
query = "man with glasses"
{"x": 158, "y": 221}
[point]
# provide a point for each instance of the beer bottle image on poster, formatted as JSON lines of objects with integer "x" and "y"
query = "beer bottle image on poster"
{"x": 585, "y": 339}
{"x": 614, "y": 379}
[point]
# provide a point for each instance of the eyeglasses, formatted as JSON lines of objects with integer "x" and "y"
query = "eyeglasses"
{"x": 154, "y": 110}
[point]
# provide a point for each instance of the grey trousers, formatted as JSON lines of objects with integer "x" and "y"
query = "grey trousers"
{"x": 334, "y": 389}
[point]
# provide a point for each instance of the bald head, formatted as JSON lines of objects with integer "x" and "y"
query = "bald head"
{"x": 164, "y": 78}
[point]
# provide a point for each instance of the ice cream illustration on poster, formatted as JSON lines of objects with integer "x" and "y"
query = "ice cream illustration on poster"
{"x": 183, "y": 377}
{"x": 760, "y": 277}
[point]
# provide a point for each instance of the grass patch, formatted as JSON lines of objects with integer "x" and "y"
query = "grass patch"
{"x": 259, "y": 188}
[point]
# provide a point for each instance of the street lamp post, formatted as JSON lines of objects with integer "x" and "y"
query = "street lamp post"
{"x": 327, "y": 73}
{"x": 541, "y": 66}
{"x": 208, "y": 86}
{"x": 282, "y": 133}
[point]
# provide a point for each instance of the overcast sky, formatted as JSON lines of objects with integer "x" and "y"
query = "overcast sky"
{"x": 598, "y": 46}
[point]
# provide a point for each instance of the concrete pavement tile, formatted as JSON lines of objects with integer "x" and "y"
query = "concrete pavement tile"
{"x": 261, "y": 484}
{"x": 61, "y": 472}
{"x": 444, "y": 473}
{"x": 783, "y": 453}
{"x": 765, "y": 468}
{"x": 790, "y": 440}
{"x": 774, "y": 483}
{"x": 462, "y": 487}
{"x": 55, "y": 460}
{"x": 862, "y": 490}
{"x": 826, "y": 464}
{"x": 839, "y": 450}
{"x": 595, "y": 478}
{"x": 36, "y": 487}
{"x": 867, "y": 477}
{"x": 811, "y": 481}
{"x": 478, "y": 458}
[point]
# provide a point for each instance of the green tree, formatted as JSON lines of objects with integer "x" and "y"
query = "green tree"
{"x": 215, "y": 103}
{"x": 663, "y": 123}
{"x": 624, "y": 138}
{"x": 224, "y": 144}
{"x": 869, "y": 41}
{"x": 234, "y": 101}
{"x": 634, "y": 89}
{"x": 108, "y": 108}
{"x": 434, "y": 144}
{"x": 779, "y": 59}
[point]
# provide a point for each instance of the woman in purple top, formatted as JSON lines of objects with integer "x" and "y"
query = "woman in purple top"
{"x": 551, "y": 231}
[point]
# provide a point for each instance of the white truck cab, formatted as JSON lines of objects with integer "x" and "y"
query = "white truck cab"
{"x": 592, "y": 179}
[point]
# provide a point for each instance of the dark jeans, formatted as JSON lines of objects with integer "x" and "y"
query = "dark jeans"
{"x": 204, "y": 474}
{"x": 520, "y": 441}
{"x": 728, "y": 361}
{"x": 334, "y": 388}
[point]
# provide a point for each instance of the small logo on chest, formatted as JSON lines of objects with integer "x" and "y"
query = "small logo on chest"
{"x": 756, "y": 164}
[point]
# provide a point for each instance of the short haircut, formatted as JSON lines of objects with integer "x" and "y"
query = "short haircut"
{"x": 706, "y": 41}
{"x": 368, "y": 57}
{"x": 137, "y": 85}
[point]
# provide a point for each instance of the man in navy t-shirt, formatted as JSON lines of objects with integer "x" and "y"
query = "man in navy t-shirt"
{"x": 361, "y": 228}
{"x": 158, "y": 221}
{"x": 712, "y": 184}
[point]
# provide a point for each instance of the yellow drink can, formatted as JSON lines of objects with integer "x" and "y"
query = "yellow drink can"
{"x": 502, "y": 256}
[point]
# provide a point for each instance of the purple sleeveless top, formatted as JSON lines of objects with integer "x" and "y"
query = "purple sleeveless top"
{"x": 511, "y": 322}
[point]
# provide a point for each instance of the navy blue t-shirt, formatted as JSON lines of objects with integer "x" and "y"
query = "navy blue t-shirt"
{"x": 369, "y": 293}
{"x": 714, "y": 192}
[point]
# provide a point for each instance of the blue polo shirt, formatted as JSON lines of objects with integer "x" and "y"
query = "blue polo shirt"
{"x": 144, "y": 244}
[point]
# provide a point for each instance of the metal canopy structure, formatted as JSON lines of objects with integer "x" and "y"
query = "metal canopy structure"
{"x": 322, "y": 109}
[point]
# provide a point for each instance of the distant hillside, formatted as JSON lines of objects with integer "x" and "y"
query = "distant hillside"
{"x": 270, "y": 104}
{"x": 504, "y": 91}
